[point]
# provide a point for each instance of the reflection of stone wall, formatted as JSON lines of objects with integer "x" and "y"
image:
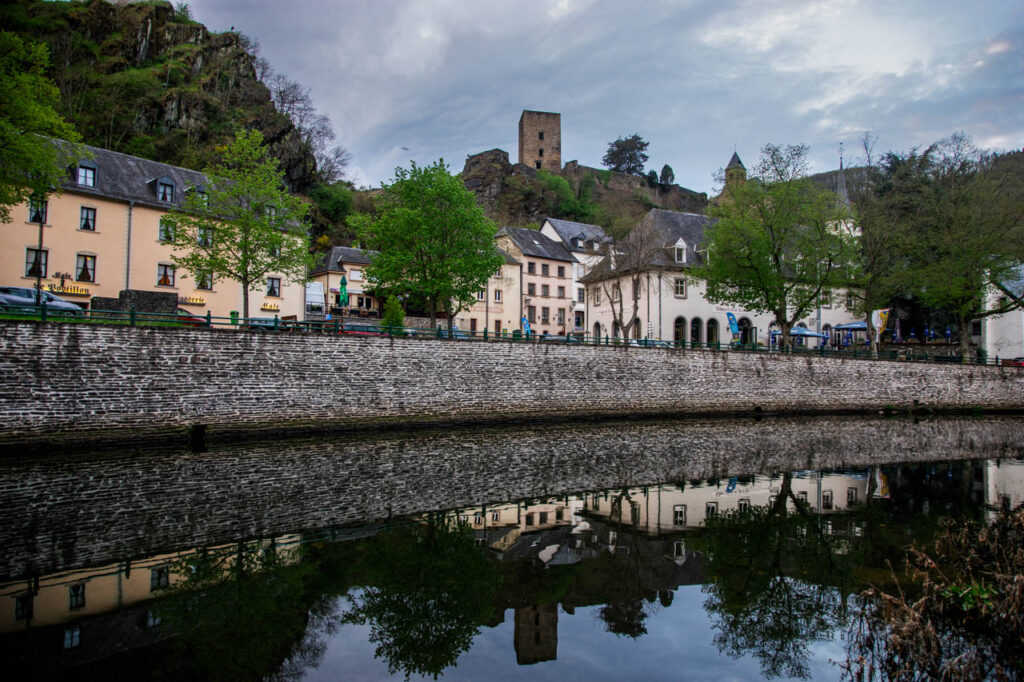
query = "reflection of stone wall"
{"x": 65, "y": 511}
{"x": 106, "y": 381}
{"x": 536, "y": 633}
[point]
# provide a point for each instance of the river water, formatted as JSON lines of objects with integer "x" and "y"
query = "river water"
{"x": 717, "y": 549}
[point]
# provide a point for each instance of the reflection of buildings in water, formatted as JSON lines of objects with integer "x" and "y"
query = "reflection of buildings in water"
{"x": 67, "y": 618}
{"x": 536, "y": 633}
{"x": 501, "y": 526}
{"x": 1002, "y": 483}
{"x": 661, "y": 509}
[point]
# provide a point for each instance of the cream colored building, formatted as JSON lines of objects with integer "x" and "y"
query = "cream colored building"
{"x": 547, "y": 279}
{"x": 588, "y": 244}
{"x": 348, "y": 264}
{"x": 498, "y": 306}
{"x": 102, "y": 235}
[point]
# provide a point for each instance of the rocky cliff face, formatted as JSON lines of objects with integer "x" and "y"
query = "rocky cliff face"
{"x": 146, "y": 80}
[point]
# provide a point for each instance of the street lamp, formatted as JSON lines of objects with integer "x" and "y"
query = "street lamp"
{"x": 39, "y": 202}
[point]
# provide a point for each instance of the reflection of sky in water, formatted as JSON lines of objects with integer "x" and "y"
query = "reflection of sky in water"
{"x": 677, "y": 646}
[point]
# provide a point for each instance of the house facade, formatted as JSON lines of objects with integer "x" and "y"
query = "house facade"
{"x": 103, "y": 235}
{"x": 547, "y": 276}
{"x": 343, "y": 267}
{"x": 499, "y": 304}
{"x": 587, "y": 243}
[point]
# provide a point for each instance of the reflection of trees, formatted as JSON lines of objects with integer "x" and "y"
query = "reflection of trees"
{"x": 240, "y": 614}
{"x": 772, "y": 583}
{"x": 429, "y": 590}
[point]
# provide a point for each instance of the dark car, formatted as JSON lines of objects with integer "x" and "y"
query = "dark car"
{"x": 558, "y": 338}
{"x": 361, "y": 330}
{"x": 23, "y": 300}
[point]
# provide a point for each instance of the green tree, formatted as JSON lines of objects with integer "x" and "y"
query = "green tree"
{"x": 394, "y": 315}
{"x": 959, "y": 225}
{"x": 30, "y": 164}
{"x": 627, "y": 155}
{"x": 780, "y": 239}
{"x": 244, "y": 225}
{"x": 668, "y": 176}
{"x": 435, "y": 243}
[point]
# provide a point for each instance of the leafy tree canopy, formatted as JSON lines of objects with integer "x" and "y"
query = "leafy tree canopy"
{"x": 30, "y": 164}
{"x": 627, "y": 155}
{"x": 778, "y": 242}
{"x": 668, "y": 176}
{"x": 435, "y": 243}
{"x": 244, "y": 226}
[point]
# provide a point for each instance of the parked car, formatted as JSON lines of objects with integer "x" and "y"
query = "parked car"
{"x": 23, "y": 300}
{"x": 1016, "y": 362}
{"x": 361, "y": 330}
{"x": 189, "y": 320}
{"x": 261, "y": 324}
{"x": 649, "y": 343}
{"x": 558, "y": 338}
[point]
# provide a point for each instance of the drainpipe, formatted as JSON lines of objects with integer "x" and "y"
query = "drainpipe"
{"x": 128, "y": 249}
{"x": 521, "y": 294}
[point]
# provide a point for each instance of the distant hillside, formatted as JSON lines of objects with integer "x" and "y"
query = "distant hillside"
{"x": 518, "y": 195}
{"x": 144, "y": 79}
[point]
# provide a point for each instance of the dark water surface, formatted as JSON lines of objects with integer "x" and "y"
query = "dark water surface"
{"x": 720, "y": 549}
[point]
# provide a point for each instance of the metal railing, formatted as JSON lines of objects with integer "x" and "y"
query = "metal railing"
{"x": 361, "y": 327}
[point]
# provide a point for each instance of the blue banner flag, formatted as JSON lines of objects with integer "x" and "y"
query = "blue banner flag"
{"x": 734, "y": 327}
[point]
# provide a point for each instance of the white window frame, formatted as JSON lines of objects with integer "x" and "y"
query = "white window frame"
{"x": 497, "y": 295}
{"x": 86, "y": 176}
{"x": 274, "y": 287}
{"x": 679, "y": 282}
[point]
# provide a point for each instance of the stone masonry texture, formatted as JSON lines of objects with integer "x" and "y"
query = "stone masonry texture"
{"x": 117, "y": 381}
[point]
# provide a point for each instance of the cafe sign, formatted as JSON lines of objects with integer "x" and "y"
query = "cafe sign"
{"x": 267, "y": 305}
{"x": 191, "y": 300}
{"x": 68, "y": 289}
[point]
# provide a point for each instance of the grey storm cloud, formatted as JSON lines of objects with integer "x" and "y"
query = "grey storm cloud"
{"x": 419, "y": 80}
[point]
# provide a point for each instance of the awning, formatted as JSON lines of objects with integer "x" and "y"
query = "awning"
{"x": 801, "y": 331}
{"x": 853, "y": 326}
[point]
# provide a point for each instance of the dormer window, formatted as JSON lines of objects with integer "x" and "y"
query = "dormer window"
{"x": 165, "y": 191}
{"x": 86, "y": 176}
{"x": 680, "y": 251}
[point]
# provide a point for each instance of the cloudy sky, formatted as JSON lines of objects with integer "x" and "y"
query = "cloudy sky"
{"x": 422, "y": 79}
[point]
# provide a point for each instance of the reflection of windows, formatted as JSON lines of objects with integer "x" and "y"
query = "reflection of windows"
{"x": 152, "y": 620}
{"x": 559, "y": 514}
{"x": 679, "y": 515}
{"x": 851, "y": 496}
{"x": 826, "y": 499}
{"x": 273, "y": 286}
{"x": 165, "y": 275}
{"x": 159, "y": 578}
{"x": 802, "y": 495}
{"x": 597, "y": 504}
{"x": 478, "y": 518}
{"x": 495, "y": 516}
{"x": 76, "y": 596}
{"x": 542, "y": 518}
{"x": 710, "y": 510}
{"x": 88, "y": 219}
{"x": 37, "y": 211}
{"x": 634, "y": 513}
{"x": 72, "y": 637}
{"x": 679, "y": 548}
{"x": 22, "y": 607}
{"x": 529, "y": 519}
{"x": 744, "y": 506}
{"x": 85, "y": 268}
{"x": 35, "y": 262}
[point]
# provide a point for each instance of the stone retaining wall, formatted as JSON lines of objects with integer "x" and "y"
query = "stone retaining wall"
{"x": 106, "y": 381}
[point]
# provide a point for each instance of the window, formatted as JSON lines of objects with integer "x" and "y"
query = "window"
{"x": 273, "y": 286}
{"x": 545, "y": 314}
{"x": 495, "y": 516}
{"x": 597, "y": 505}
{"x": 204, "y": 237}
{"x": 802, "y": 496}
{"x": 851, "y": 496}
{"x": 497, "y": 295}
{"x": 561, "y": 271}
{"x": 497, "y": 275}
{"x": 86, "y": 176}
{"x": 680, "y": 287}
{"x": 152, "y": 620}
{"x": 561, "y": 316}
{"x": 540, "y": 134}
{"x": 72, "y": 637}
{"x": 559, "y": 514}
{"x": 538, "y": 165}
{"x": 597, "y": 296}
{"x": 561, "y": 292}
{"x": 679, "y": 548}
{"x": 37, "y": 211}
{"x": 679, "y": 515}
{"x": 616, "y": 292}
{"x": 481, "y": 295}
{"x": 478, "y": 518}
{"x": 35, "y": 262}
{"x": 545, "y": 269}
{"x": 165, "y": 192}
{"x": 540, "y": 152}
{"x": 545, "y": 290}
{"x": 531, "y": 314}
{"x": 529, "y": 519}
{"x": 849, "y": 301}
{"x": 88, "y": 219}
{"x": 356, "y": 275}
{"x": 826, "y": 499}
{"x": 85, "y": 268}
{"x": 680, "y": 254}
{"x": 581, "y": 295}
{"x": 76, "y": 596}
{"x": 204, "y": 280}
{"x": 744, "y": 505}
{"x": 531, "y": 289}
{"x": 531, "y": 267}
{"x": 22, "y": 607}
{"x": 166, "y": 233}
{"x": 165, "y": 275}
{"x": 159, "y": 578}
{"x": 826, "y": 298}
{"x": 710, "y": 510}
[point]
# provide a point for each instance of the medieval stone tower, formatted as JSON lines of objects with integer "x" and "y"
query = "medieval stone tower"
{"x": 540, "y": 140}
{"x": 735, "y": 172}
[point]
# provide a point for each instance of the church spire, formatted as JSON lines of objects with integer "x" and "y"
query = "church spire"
{"x": 841, "y": 193}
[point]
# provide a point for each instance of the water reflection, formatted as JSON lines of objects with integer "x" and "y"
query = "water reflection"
{"x": 778, "y": 556}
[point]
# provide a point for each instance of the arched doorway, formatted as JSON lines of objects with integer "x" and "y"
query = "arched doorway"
{"x": 712, "y": 335}
{"x": 696, "y": 326}
{"x": 597, "y": 331}
{"x": 679, "y": 331}
{"x": 746, "y": 331}
{"x": 616, "y": 330}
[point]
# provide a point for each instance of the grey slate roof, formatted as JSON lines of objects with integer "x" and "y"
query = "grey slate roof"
{"x": 673, "y": 226}
{"x": 571, "y": 231}
{"x": 509, "y": 260}
{"x": 533, "y": 243}
{"x": 130, "y": 178}
{"x": 344, "y": 254}
{"x": 735, "y": 162}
